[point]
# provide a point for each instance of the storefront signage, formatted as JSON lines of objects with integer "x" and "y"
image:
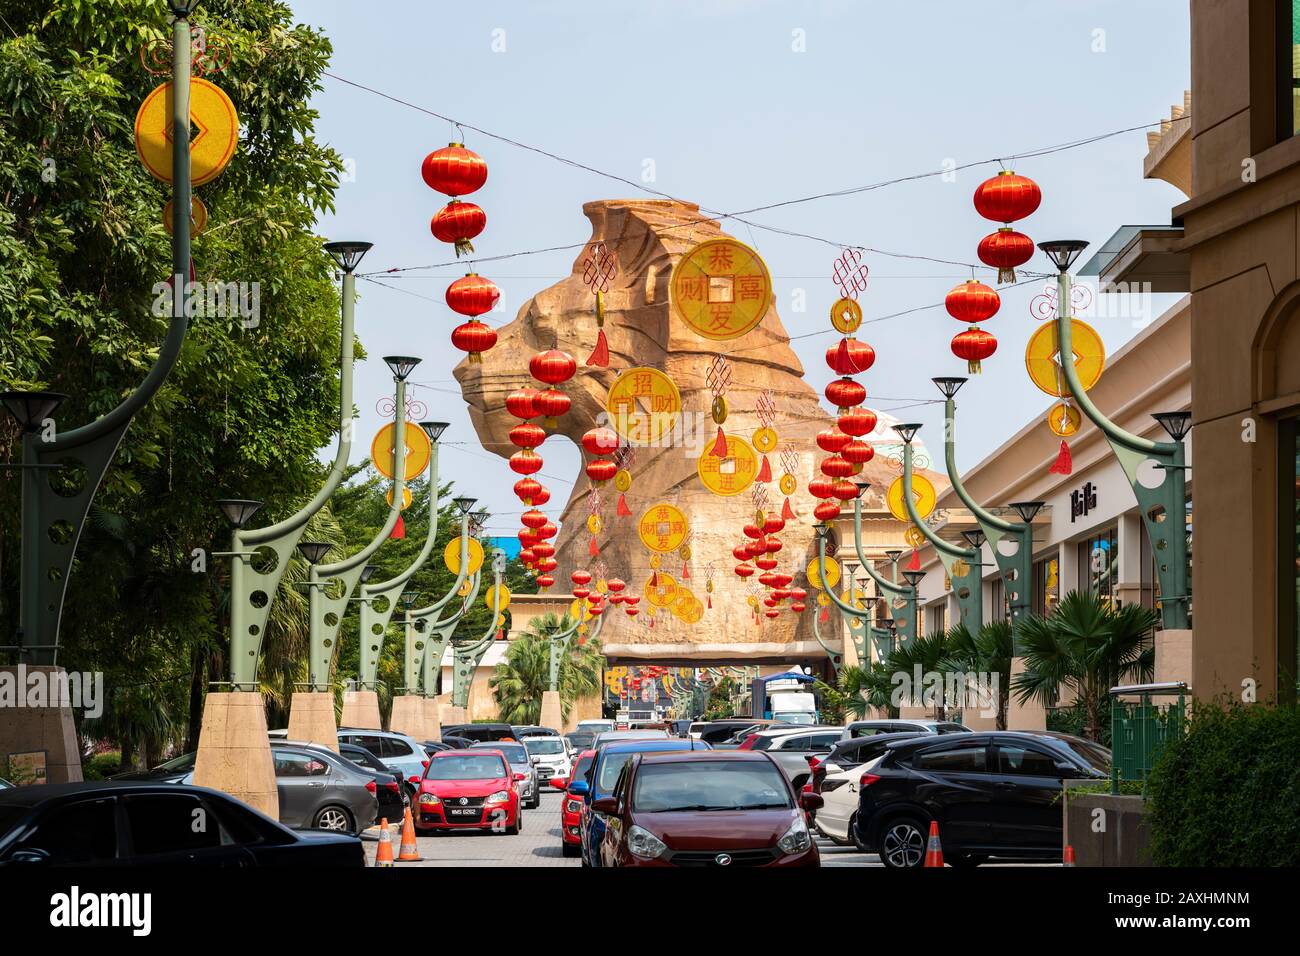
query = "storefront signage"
{"x": 1082, "y": 501}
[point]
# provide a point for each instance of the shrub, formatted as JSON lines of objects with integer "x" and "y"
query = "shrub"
{"x": 1228, "y": 792}
{"x": 101, "y": 765}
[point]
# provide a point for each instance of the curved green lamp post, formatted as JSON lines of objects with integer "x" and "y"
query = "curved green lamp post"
{"x": 468, "y": 654}
{"x": 901, "y": 597}
{"x": 373, "y": 622}
{"x": 559, "y": 643}
{"x": 962, "y": 564}
{"x": 1165, "y": 486}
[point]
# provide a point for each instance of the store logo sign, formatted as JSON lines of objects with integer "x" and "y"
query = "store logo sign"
{"x": 1082, "y": 501}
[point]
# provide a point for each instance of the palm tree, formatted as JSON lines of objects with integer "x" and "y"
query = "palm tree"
{"x": 524, "y": 675}
{"x": 865, "y": 687}
{"x": 1087, "y": 645}
{"x": 988, "y": 651}
{"x": 927, "y": 654}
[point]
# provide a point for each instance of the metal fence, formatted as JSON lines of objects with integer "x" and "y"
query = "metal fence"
{"x": 1140, "y": 729}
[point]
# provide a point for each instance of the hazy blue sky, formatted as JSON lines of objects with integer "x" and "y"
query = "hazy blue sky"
{"x": 733, "y": 116}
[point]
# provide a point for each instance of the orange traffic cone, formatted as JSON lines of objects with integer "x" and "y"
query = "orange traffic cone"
{"x": 1069, "y": 856}
{"x": 408, "y": 852}
{"x": 384, "y": 855}
{"x": 933, "y": 851}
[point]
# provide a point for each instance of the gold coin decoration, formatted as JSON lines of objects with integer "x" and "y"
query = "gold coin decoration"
{"x": 406, "y": 497}
{"x": 691, "y": 612}
{"x": 960, "y": 568}
{"x": 644, "y": 405}
{"x": 721, "y": 289}
{"x": 198, "y": 216}
{"x": 662, "y": 592}
{"x": 1042, "y": 357}
{"x": 765, "y": 440}
{"x": 595, "y": 524}
{"x": 654, "y": 561}
{"x": 815, "y": 577}
{"x": 731, "y": 475}
{"x": 663, "y": 528}
{"x": 913, "y": 536}
{"x": 497, "y": 598}
{"x": 1063, "y": 419}
{"x": 718, "y": 410}
{"x": 823, "y": 600}
{"x": 685, "y": 552}
{"x": 622, "y": 480}
{"x": 418, "y": 450}
{"x": 580, "y": 610}
{"x": 451, "y": 556}
{"x": 923, "y": 494}
{"x": 789, "y": 485}
{"x": 213, "y": 144}
{"x": 846, "y": 316}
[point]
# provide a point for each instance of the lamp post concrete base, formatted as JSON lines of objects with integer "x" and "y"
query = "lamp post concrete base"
{"x": 234, "y": 754}
{"x": 408, "y": 716}
{"x": 432, "y": 718}
{"x": 361, "y": 709}
{"x": 1031, "y": 715}
{"x": 311, "y": 719}
{"x": 552, "y": 711}
{"x": 47, "y": 729}
{"x": 1174, "y": 656}
{"x": 451, "y": 714}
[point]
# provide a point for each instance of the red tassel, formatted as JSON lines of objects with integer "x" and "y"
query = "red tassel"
{"x": 719, "y": 449}
{"x": 654, "y": 579}
{"x": 686, "y": 572}
{"x": 593, "y": 549}
{"x": 501, "y": 636}
{"x": 1064, "y": 464}
{"x": 915, "y": 563}
{"x": 599, "y": 356}
{"x": 652, "y": 623}
{"x": 399, "y": 529}
{"x": 764, "y": 471}
{"x": 787, "y": 513}
{"x": 708, "y": 600}
{"x": 825, "y": 614}
{"x": 623, "y": 510}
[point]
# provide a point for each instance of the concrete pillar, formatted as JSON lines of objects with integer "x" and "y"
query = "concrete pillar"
{"x": 1031, "y": 715}
{"x": 311, "y": 719}
{"x": 408, "y": 716}
{"x": 361, "y": 709}
{"x": 1174, "y": 657}
{"x": 1129, "y": 546}
{"x": 432, "y": 719}
{"x": 1067, "y": 568}
{"x": 552, "y": 711}
{"x": 48, "y": 728}
{"x": 234, "y": 754}
{"x": 452, "y": 714}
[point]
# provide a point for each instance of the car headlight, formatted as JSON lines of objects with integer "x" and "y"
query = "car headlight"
{"x": 501, "y": 796}
{"x": 644, "y": 844}
{"x": 429, "y": 798}
{"x": 573, "y": 806}
{"x": 796, "y": 839}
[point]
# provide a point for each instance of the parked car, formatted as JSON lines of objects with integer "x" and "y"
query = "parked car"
{"x": 580, "y": 740}
{"x": 391, "y": 787}
{"x": 530, "y": 730}
{"x": 473, "y": 788}
{"x": 614, "y": 736}
{"x": 603, "y": 775}
{"x": 120, "y": 823}
{"x": 680, "y": 727}
{"x": 398, "y": 751}
{"x": 169, "y": 771}
{"x": 865, "y": 728}
{"x": 549, "y": 756}
{"x": 322, "y": 790}
{"x": 455, "y": 742}
{"x": 595, "y": 726}
{"x": 574, "y": 787}
{"x": 992, "y": 794}
{"x": 517, "y": 755}
{"x": 718, "y": 809}
{"x": 718, "y": 732}
{"x": 481, "y": 733}
{"x": 836, "y": 778}
{"x": 431, "y": 747}
{"x": 791, "y": 749}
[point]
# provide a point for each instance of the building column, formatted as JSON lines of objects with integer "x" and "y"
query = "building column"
{"x": 1129, "y": 577}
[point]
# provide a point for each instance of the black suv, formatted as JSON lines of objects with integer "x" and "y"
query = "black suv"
{"x": 992, "y": 794}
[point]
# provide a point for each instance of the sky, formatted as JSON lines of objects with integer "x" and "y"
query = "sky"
{"x": 736, "y": 104}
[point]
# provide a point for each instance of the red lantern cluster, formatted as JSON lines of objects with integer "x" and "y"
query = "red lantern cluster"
{"x": 600, "y": 443}
{"x": 456, "y": 171}
{"x": 973, "y": 302}
{"x": 846, "y": 452}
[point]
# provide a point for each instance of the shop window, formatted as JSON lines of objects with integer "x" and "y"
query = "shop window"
{"x": 1099, "y": 565}
{"x": 999, "y": 606}
{"x": 1047, "y": 585}
{"x": 1288, "y": 63}
{"x": 936, "y": 618}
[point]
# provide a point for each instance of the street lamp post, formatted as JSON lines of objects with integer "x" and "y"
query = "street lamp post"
{"x": 552, "y": 712}
{"x": 466, "y": 656}
{"x": 1156, "y": 470}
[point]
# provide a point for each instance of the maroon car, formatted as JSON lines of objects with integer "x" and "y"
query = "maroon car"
{"x": 715, "y": 808}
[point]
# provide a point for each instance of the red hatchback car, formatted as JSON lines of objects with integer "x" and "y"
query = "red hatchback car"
{"x": 464, "y": 789}
{"x": 706, "y": 809}
{"x": 571, "y": 804}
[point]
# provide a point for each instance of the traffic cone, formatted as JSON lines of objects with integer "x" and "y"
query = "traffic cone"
{"x": 933, "y": 851}
{"x": 384, "y": 854}
{"x": 408, "y": 852}
{"x": 1069, "y": 856}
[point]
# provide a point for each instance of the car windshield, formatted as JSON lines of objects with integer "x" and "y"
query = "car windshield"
{"x": 515, "y": 753}
{"x": 544, "y": 745}
{"x": 176, "y": 764}
{"x": 581, "y": 767}
{"x": 466, "y": 766}
{"x": 709, "y": 785}
{"x": 795, "y": 718}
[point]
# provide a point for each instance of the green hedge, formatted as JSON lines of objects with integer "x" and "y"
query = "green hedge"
{"x": 1228, "y": 792}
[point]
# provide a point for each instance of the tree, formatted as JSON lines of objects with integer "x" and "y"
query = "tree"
{"x": 1088, "y": 646}
{"x": 987, "y": 651}
{"x": 524, "y": 676}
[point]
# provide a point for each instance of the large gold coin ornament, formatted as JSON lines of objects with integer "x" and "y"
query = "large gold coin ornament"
{"x": 198, "y": 216}
{"x": 662, "y": 592}
{"x": 418, "y": 450}
{"x": 815, "y": 576}
{"x": 923, "y": 494}
{"x": 451, "y": 556}
{"x": 731, "y": 475}
{"x": 846, "y": 316}
{"x": 497, "y": 598}
{"x": 595, "y": 524}
{"x": 721, "y": 289}
{"x": 644, "y": 406}
{"x": 690, "y": 613}
{"x": 662, "y": 528}
{"x": 765, "y": 440}
{"x": 1043, "y": 360}
{"x": 1063, "y": 419}
{"x": 913, "y": 536}
{"x": 216, "y": 134}
{"x": 579, "y": 610}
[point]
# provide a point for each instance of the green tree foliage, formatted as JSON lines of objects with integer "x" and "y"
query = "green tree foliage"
{"x": 524, "y": 676}
{"x": 244, "y": 411}
{"x": 987, "y": 651}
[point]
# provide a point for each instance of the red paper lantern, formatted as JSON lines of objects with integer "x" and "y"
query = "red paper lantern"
{"x": 632, "y": 611}
{"x": 600, "y": 441}
{"x": 821, "y": 488}
{"x": 552, "y": 403}
{"x": 858, "y": 452}
{"x": 615, "y": 584}
{"x": 766, "y": 563}
{"x": 741, "y": 552}
{"x": 532, "y": 518}
{"x": 545, "y": 580}
{"x": 546, "y": 565}
{"x": 525, "y": 462}
{"x": 454, "y": 170}
{"x": 527, "y": 435}
{"x": 850, "y": 357}
{"x": 974, "y": 345}
{"x": 547, "y": 530}
{"x": 631, "y": 598}
{"x": 773, "y": 523}
{"x": 595, "y": 610}
{"x": 744, "y": 570}
{"x": 1007, "y": 197}
{"x": 798, "y": 607}
{"x": 773, "y": 612}
{"x": 543, "y": 495}
{"x": 457, "y": 223}
{"x": 798, "y": 593}
{"x": 845, "y": 393}
{"x": 528, "y": 537}
{"x": 473, "y": 337}
{"x": 527, "y": 557}
{"x": 767, "y": 579}
{"x": 522, "y": 403}
{"x": 857, "y": 422}
{"x": 753, "y": 531}
{"x": 845, "y": 490}
{"x": 581, "y": 592}
{"x": 472, "y": 295}
{"x": 827, "y": 511}
{"x": 972, "y": 302}
{"x": 580, "y": 577}
{"x": 833, "y": 440}
{"x": 601, "y": 469}
{"x": 771, "y": 544}
{"x": 836, "y": 467}
{"x": 543, "y": 549}
{"x": 1004, "y": 250}
{"x": 552, "y": 366}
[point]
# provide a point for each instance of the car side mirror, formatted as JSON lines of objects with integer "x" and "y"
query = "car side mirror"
{"x": 579, "y": 788}
{"x": 606, "y": 805}
{"x": 1066, "y": 769}
{"x": 424, "y": 763}
{"x": 811, "y": 801}
{"x": 414, "y": 780}
{"x": 520, "y": 777}
{"x": 559, "y": 783}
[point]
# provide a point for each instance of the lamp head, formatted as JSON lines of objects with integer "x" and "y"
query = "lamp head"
{"x": 913, "y": 577}
{"x": 1063, "y": 252}
{"x": 368, "y": 572}
{"x": 401, "y": 365}
{"x": 975, "y": 537}
{"x": 893, "y": 554}
{"x": 862, "y": 487}
{"x": 347, "y": 255}
{"x": 907, "y": 431}
{"x": 1176, "y": 424}
{"x": 314, "y": 551}
{"x": 408, "y": 599}
{"x": 949, "y": 384}
{"x": 1028, "y": 510}
{"x": 239, "y": 511}
{"x": 464, "y": 504}
{"x": 434, "y": 429}
{"x": 480, "y": 519}
{"x": 29, "y": 409}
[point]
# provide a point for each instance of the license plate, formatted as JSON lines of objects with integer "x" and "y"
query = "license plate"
{"x": 462, "y": 812}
